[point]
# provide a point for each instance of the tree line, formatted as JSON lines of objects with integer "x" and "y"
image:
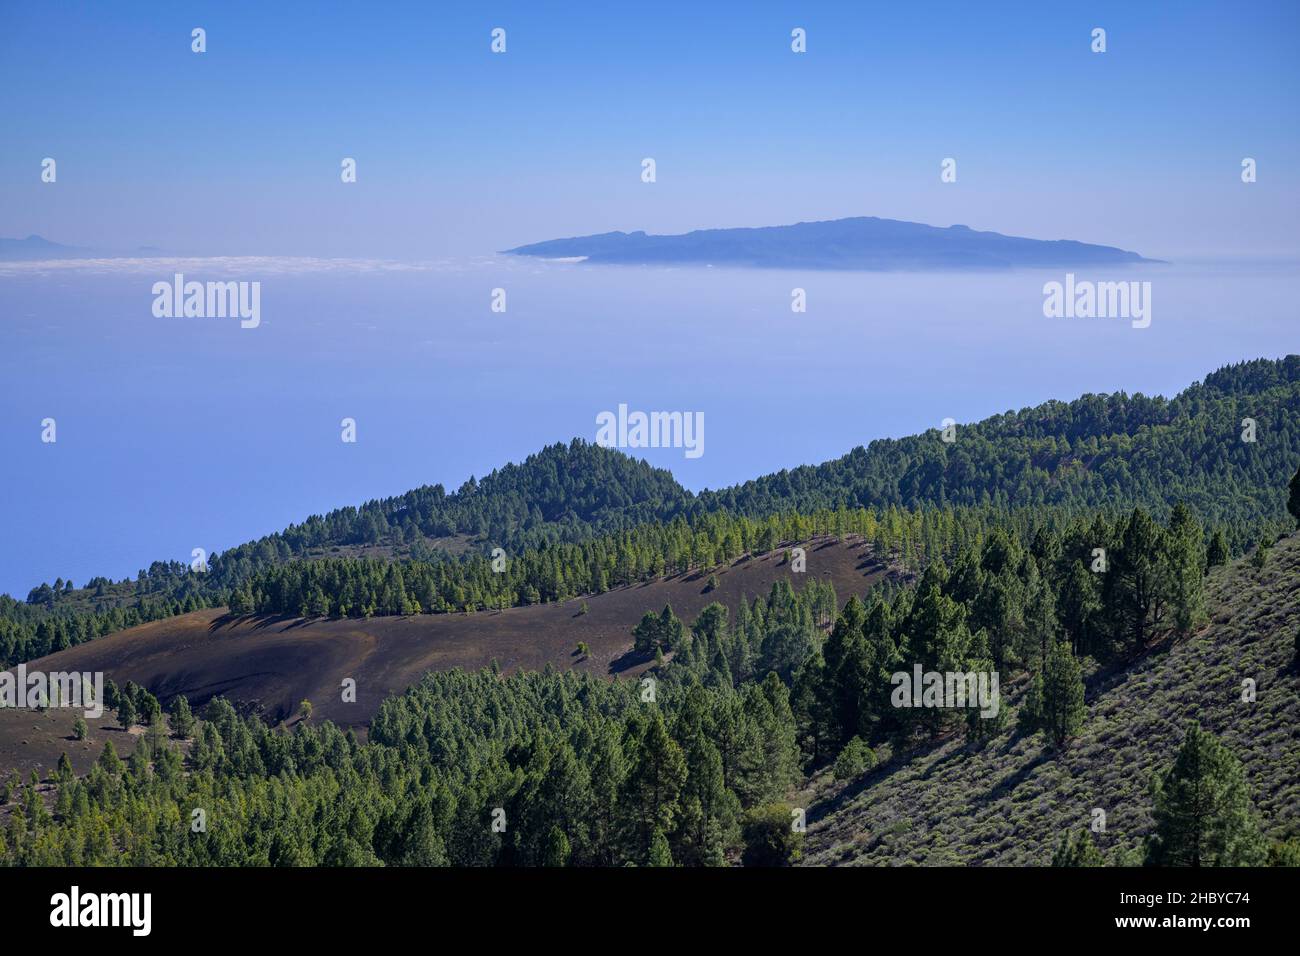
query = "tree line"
{"x": 1065, "y": 458}
{"x": 691, "y": 765}
{"x": 463, "y": 769}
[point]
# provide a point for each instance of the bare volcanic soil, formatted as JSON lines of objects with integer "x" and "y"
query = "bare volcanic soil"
{"x": 275, "y": 663}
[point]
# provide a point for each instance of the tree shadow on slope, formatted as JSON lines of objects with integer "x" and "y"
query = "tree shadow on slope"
{"x": 855, "y": 788}
{"x": 1014, "y": 779}
{"x": 260, "y": 622}
{"x": 629, "y": 659}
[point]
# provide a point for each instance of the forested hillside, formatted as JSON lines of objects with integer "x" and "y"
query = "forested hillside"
{"x": 572, "y": 513}
{"x": 1011, "y": 799}
{"x": 699, "y": 762}
{"x": 1097, "y": 451}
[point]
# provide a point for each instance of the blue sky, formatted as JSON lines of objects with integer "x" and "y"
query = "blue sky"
{"x": 183, "y": 434}
{"x": 460, "y": 151}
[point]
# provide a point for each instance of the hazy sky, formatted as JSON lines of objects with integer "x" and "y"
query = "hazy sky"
{"x": 175, "y": 434}
{"x": 462, "y": 151}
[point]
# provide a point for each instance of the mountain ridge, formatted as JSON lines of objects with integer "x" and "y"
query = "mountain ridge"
{"x": 36, "y": 247}
{"x": 1110, "y": 452}
{"x": 860, "y": 242}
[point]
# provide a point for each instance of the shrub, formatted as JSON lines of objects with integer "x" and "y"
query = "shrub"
{"x": 770, "y": 836}
{"x": 854, "y": 760}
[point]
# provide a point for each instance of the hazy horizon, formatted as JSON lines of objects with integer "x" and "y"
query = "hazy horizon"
{"x": 461, "y": 151}
{"x": 183, "y": 433}
{"x": 376, "y": 295}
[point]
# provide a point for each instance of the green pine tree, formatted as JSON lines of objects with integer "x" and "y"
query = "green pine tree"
{"x": 109, "y": 760}
{"x": 660, "y": 854}
{"x": 182, "y": 717}
{"x": 1293, "y": 498}
{"x": 654, "y": 782}
{"x": 1080, "y": 851}
{"x": 770, "y": 836}
{"x": 1217, "y": 552}
{"x": 556, "y": 852}
{"x": 1202, "y": 808}
{"x": 1186, "y": 562}
{"x": 126, "y": 711}
{"x": 1063, "y": 709}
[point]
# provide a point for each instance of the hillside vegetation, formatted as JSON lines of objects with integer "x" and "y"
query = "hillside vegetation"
{"x": 1098, "y": 452}
{"x": 695, "y": 762}
{"x": 273, "y": 663}
{"x": 1009, "y": 800}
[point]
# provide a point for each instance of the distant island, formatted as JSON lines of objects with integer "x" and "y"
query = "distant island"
{"x": 38, "y": 248}
{"x": 862, "y": 242}
{"x": 34, "y": 247}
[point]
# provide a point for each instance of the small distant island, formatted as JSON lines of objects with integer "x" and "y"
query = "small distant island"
{"x": 35, "y": 247}
{"x": 861, "y": 242}
{"x": 38, "y": 248}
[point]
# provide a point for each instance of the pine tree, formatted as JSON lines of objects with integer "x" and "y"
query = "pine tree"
{"x": 109, "y": 760}
{"x": 1063, "y": 708}
{"x": 1080, "y": 851}
{"x": 1185, "y": 560}
{"x": 1217, "y": 551}
{"x": 646, "y": 634}
{"x": 1293, "y": 498}
{"x": 126, "y": 712}
{"x": 240, "y": 602}
{"x": 1134, "y": 585}
{"x": 654, "y": 782}
{"x": 939, "y": 640}
{"x": 1029, "y": 718}
{"x": 812, "y": 717}
{"x": 608, "y": 771}
{"x": 182, "y": 717}
{"x": 854, "y": 760}
{"x": 556, "y": 852}
{"x": 671, "y": 629}
{"x": 776, "y": 721}
{"x": 1202, "y": 808}
{"x": 770, "y": 837}
{"x": 708, "y": 824}
{"x": 659, "y": 854}
{"x": 849, "y": 674}
{"x": 1080, "y": 607}
{"x": 79, "y": 728}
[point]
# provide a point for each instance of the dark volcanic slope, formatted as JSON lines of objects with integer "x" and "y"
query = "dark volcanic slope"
{"x": 279, "y": 662}
{"x": 863, "y": 242}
